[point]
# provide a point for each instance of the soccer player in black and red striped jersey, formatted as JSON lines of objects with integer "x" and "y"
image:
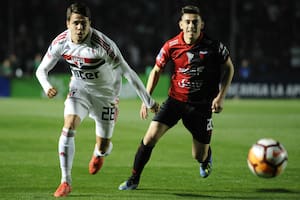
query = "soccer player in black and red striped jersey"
{"x": 97, "y": 67}
{"x": 202, "y": 74}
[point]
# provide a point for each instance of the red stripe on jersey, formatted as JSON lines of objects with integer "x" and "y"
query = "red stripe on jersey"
{"x": 60, "y": 37}
{"x": 91, "y": 60}
{"x": 67, "y": 57}
{"x": 85, "y": 60}
{"x": 95, "y": 38}
{"x": 98, "y": 40}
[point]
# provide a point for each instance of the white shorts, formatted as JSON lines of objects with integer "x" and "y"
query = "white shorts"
{"x": 103, "y": 110}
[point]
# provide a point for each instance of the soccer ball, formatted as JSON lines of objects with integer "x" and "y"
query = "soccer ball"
{"x": 267, "y": 158}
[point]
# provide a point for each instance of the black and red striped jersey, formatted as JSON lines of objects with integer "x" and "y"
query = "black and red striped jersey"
{"x": 197, "y": 68}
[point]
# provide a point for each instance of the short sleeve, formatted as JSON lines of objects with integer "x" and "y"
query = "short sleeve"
{"x": 223, "y": 53}
{"x": 163, "y": 56}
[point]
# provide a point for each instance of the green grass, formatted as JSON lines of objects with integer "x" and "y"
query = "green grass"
{"x": 29, "y": 131}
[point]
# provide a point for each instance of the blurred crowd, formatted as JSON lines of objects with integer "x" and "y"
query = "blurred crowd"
{"x": 263, "y": 36}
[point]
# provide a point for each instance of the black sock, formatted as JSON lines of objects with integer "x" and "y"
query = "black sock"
{"x": 208, "y": 156}
{"x": 142, "y": 156}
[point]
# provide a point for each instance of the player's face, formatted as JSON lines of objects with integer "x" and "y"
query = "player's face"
{"x": 79, "y": 27}
{"x": 191, "y": 25}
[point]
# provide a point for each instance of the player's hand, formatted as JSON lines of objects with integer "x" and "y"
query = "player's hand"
{"x": 217, "y": 105}
{"x": 52, "y": 92}
{"x": 144, "y": 110}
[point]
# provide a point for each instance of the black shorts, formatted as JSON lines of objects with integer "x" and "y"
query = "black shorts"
{"x": 197, "y": 118}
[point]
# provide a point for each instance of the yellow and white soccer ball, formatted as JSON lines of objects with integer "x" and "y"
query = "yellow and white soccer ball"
{"x": 267, "y": 158}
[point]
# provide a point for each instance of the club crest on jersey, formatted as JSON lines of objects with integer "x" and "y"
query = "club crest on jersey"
{"x": 202, "y": 54}
{"x": 78, "y": 61}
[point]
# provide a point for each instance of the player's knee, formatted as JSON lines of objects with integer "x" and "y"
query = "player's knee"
{"x": 71, "y": 121}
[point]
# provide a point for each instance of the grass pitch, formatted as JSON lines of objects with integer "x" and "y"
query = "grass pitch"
{"x": 29, "y": 131}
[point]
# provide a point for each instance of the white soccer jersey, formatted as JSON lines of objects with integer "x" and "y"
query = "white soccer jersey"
{"x": 96, "y": 64}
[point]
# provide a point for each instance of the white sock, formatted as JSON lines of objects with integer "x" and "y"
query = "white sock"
{"x": 98, "y": 153}
{"x": 66, "y": 150}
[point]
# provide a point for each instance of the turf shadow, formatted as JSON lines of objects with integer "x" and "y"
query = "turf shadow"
{"x": 276, "y": 190}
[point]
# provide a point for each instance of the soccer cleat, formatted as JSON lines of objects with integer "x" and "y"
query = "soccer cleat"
{"x": 95, "y": 164}
{"x": 205, "y": 169}
{"x": 130, "y": 184}
{"x": 206, "y": 166}
{"x": 63, "y": 190}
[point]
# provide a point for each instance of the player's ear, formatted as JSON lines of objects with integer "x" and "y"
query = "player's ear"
{"x": 202, "y": 25}
{"x": 67, "y": 23}
{"x": 180, "y": 24}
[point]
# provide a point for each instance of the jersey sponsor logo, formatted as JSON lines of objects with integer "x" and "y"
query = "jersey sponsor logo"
{"x": 85, "y": 75}
{"x": 195, "y": 71}
{"x": 183, "y": 70}
{"x": 185, "y": 83}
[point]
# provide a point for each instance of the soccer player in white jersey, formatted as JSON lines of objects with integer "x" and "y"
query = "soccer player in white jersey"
{"x": 97, "y": 68}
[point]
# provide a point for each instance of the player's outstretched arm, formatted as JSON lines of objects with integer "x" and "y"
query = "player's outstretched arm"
{"x": 42, "y": 75}
{"x": 151, "y": 84}
{"x": 228, "y": 70}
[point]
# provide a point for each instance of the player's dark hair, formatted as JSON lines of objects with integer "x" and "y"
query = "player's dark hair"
{"x": 78, "y": 8}
{"x": 190, "y": 9}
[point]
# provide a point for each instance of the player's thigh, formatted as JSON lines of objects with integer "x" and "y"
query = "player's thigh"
{"x": 155, "y": 131}
{"x": 104, "y": 112}
{"x": 170, "y": 112}
{"x": 77, "y": 102}
{"x": 199, "y": 125}
{"x": 75, "y": 107}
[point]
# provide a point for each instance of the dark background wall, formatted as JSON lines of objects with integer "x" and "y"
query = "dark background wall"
{"x": 263, "y": 36}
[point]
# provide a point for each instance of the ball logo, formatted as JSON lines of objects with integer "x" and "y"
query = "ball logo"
{"x": 276, "y": 153}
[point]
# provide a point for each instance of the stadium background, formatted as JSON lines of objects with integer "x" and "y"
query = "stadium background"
{"x": 262, "y": 32}
{"x": 263, "y": 38}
